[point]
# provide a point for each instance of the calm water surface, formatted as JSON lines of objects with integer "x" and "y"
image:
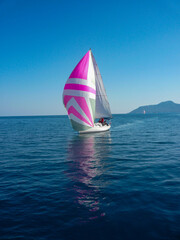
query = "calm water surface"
{"x": 122, "y": 184}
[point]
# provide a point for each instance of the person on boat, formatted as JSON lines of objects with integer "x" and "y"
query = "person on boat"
{"x": 101, "y": 120}
{"x": 105, "y": 123}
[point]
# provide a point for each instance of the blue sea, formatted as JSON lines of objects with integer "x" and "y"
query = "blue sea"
{"x": 123, "y": 184}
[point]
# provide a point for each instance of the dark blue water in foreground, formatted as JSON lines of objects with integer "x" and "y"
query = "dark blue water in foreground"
{"x": 122, "y": 184}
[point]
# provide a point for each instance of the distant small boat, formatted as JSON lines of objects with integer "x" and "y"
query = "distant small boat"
{"x": 85, "y": 98}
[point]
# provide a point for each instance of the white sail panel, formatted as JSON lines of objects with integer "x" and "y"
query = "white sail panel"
{"x": 102, "y": 105}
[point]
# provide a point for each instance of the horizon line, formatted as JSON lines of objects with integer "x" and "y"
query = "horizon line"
{"x": 47, "y": 115}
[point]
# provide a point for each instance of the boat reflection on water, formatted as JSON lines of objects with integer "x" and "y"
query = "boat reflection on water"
{"x": 87, "y": 163}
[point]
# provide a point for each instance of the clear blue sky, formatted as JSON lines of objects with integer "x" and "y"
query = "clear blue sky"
{"x": 136, "y": 45}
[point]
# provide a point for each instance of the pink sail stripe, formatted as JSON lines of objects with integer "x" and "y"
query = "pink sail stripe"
{"x": 81, "y": 70}
{"x": 77, "y": 114}
{"x": 66, "y": 99}
{"x": 79, "y": 87}
{"x": 83, "y": 104}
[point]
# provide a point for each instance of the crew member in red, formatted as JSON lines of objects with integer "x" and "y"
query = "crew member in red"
{"x": 101, "y": 120}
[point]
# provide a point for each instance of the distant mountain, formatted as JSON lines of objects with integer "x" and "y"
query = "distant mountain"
{"x": 163, "y": 107}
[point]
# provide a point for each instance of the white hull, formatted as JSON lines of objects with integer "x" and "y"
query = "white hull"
{"x": 97, "y": 128}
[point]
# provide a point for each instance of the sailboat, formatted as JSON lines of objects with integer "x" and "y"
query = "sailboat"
{"x": 85, "y": 98}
